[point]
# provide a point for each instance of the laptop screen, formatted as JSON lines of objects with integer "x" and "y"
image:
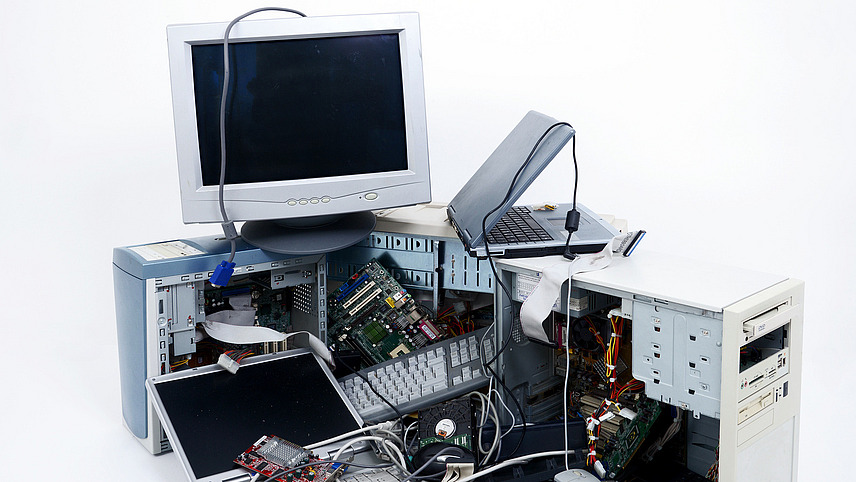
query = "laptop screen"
{"x": 216, "y": 415}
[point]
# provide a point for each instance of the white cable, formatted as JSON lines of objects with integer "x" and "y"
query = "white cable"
{"x": 346, "y": 435}
{"x": 513, "y": 418}
{"x": 516, "y": 460}
{"x": 375, "y": 438}
{"x": 488, "y": 407}
{"x": 407, "y": 430}
{"x": 567, "y": 372}
{"x": 482, "y": 418}
{"x": 385, "y": 446}
{"x": 491, "y": 387}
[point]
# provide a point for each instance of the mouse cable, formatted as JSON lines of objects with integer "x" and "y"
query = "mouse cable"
{"x": 517, "y": 460}
{"x": 567, "y": 373}
{"x": 225, "y": 269}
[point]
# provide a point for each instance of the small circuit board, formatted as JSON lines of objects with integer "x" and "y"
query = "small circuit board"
{"x": 272, "y": 455}
{"x": 374, "y": 315}
{"x": 272, "y": 307}
{"x": 631, "y": 433}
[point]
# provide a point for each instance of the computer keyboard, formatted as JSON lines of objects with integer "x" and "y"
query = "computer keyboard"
{"x": 421, "y": 378}
{"x": 517, "y": 226}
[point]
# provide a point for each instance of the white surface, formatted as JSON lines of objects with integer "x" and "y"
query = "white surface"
{"x": 723, "y": 128}
{"x": 776, "y": 449}
{"x": 676, "y": 279}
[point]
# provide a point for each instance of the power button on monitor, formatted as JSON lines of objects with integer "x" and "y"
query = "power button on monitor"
{"x": 371, "y": 196}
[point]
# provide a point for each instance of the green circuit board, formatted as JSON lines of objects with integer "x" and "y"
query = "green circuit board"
{"x": 630, "y": 436}
{"x": 272, "y": 307}
{"x": 373, "y": 314}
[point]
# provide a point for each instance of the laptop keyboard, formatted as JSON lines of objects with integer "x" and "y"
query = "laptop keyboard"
{"x": 517, "y": 226}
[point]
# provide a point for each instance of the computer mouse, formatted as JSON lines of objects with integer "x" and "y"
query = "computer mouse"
{"x": 575, "y": 475}
{"x": 453, "y": 454}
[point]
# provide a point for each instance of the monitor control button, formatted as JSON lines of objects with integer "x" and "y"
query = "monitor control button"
{"x": 314, "y": 200}
{"x": 303, "y": 201}
{"x": 371, "y": 196}
{"x": 325, "y": 199}
{"x": 292, "y": 202}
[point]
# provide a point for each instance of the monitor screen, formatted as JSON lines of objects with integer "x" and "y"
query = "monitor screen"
{"x": 325, "y": 116}
{"x": 302, "y": 108}
{"x": 214, "y": 415}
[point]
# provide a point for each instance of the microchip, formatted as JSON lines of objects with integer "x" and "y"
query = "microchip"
{"x": 401, "y": 322}
{"x": 375, "y": 332}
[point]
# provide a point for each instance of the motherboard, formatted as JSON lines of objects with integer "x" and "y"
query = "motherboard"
{"x": 373, "y": 314}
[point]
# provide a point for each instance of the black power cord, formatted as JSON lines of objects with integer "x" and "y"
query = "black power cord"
{"x": 572, "y": 222}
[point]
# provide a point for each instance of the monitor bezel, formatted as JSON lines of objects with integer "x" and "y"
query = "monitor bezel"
{"x": 303, "y": 197}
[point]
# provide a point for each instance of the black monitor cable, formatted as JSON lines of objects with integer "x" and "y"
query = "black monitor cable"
{"x": 225, "y": 269}
{"x": 572, "y": 222}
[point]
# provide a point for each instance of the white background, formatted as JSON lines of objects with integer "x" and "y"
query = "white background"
{"x": 723, "y": 128}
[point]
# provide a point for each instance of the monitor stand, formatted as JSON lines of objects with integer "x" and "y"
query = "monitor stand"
{"x": 311, "y": 235}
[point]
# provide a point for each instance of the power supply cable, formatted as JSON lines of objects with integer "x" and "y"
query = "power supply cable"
{"x": 224, "y": 270}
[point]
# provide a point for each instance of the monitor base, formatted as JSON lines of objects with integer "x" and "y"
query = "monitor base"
{"x": 315, "y": 235}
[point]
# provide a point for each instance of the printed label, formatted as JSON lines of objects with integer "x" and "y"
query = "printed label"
{"x": 168, "y": 250}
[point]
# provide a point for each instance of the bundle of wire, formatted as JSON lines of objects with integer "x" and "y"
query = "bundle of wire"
{"x": 609, "y": 407}
{"x": 389, "y": 446}
{"x": 713, "y": 471}
{"x": 455, "y": 323}
{"x": 238, "y": 355}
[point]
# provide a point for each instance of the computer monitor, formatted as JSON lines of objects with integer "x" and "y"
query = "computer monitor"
{"x": 325, "y": 123}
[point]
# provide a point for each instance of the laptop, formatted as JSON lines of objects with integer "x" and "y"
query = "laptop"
{"x": 522, "y": 231}
{"x": 211, "y": 416}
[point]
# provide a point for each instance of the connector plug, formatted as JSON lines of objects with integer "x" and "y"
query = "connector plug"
{"x": 388, "y": 425}
{"x": 228, "y": 363}
{"x": 222, "y": 273}
{"x": 627, "y": 413}
{"x": 598, "y": 467}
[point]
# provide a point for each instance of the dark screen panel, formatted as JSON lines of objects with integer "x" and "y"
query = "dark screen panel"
{"x": 302, "y": 108}
{"x": 217, "y": 415}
